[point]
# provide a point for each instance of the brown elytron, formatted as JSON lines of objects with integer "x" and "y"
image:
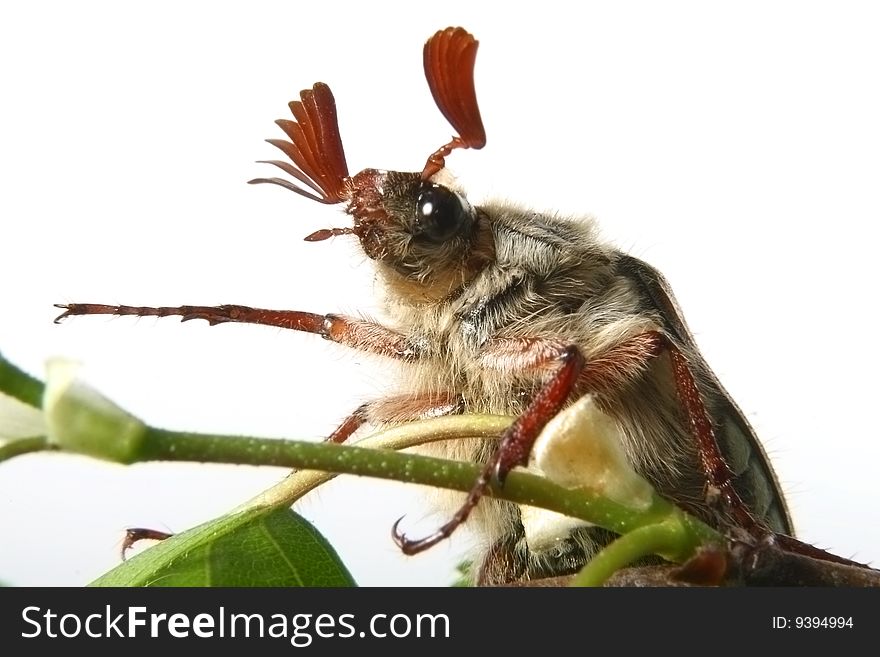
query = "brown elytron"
{"x": 501, "y": 309}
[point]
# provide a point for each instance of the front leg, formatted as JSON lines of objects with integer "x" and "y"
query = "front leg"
{"x": 356, "y": 333}
{"x": 516, "y": 442}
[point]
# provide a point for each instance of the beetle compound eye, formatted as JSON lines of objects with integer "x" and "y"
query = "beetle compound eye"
{"x": 440, "y": 214}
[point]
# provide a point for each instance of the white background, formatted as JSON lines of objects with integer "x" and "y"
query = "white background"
{"x": 736, "y": 149}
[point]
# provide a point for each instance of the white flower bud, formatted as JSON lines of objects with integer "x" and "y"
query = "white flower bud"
{"x": 82, "y": 420}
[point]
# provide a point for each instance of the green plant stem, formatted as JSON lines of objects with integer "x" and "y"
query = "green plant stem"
{"x": 300, "y": 482}
{"x": 21, "y": 446}
{"x": 19, "y": 384}
{"x": 660, "y": 538}
{"x": 520, "y": 487}
{"x": 385, "y": 464}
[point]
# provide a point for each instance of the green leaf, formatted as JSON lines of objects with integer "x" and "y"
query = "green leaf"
{"x": 250, "y": 548}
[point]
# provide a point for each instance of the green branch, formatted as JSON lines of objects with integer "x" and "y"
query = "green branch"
{"x": 664, "y": 537}
{"x": 22, "y": 446}
{"x": 20, "y": 385}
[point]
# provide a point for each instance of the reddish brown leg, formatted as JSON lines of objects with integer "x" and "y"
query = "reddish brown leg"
{"x": 135, "y": 534}
{"x": 400, "y": 408}
{"x": 349, "y": 425}
{"x": 718, "y": 475}
{"x": 517, "y": 441}
{"x": 355, "y": 333}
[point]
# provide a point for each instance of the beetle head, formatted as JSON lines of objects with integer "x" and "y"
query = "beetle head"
{"x": 406, "y": 220}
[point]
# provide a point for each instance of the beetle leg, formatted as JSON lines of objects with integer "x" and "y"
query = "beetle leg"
{"x": 135, "y": 534}
{"x": 400, "y": 408}
{"x": 355, "y": 333}
{"x": 517, "y": 440}
{"x": 719, "y": 477}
